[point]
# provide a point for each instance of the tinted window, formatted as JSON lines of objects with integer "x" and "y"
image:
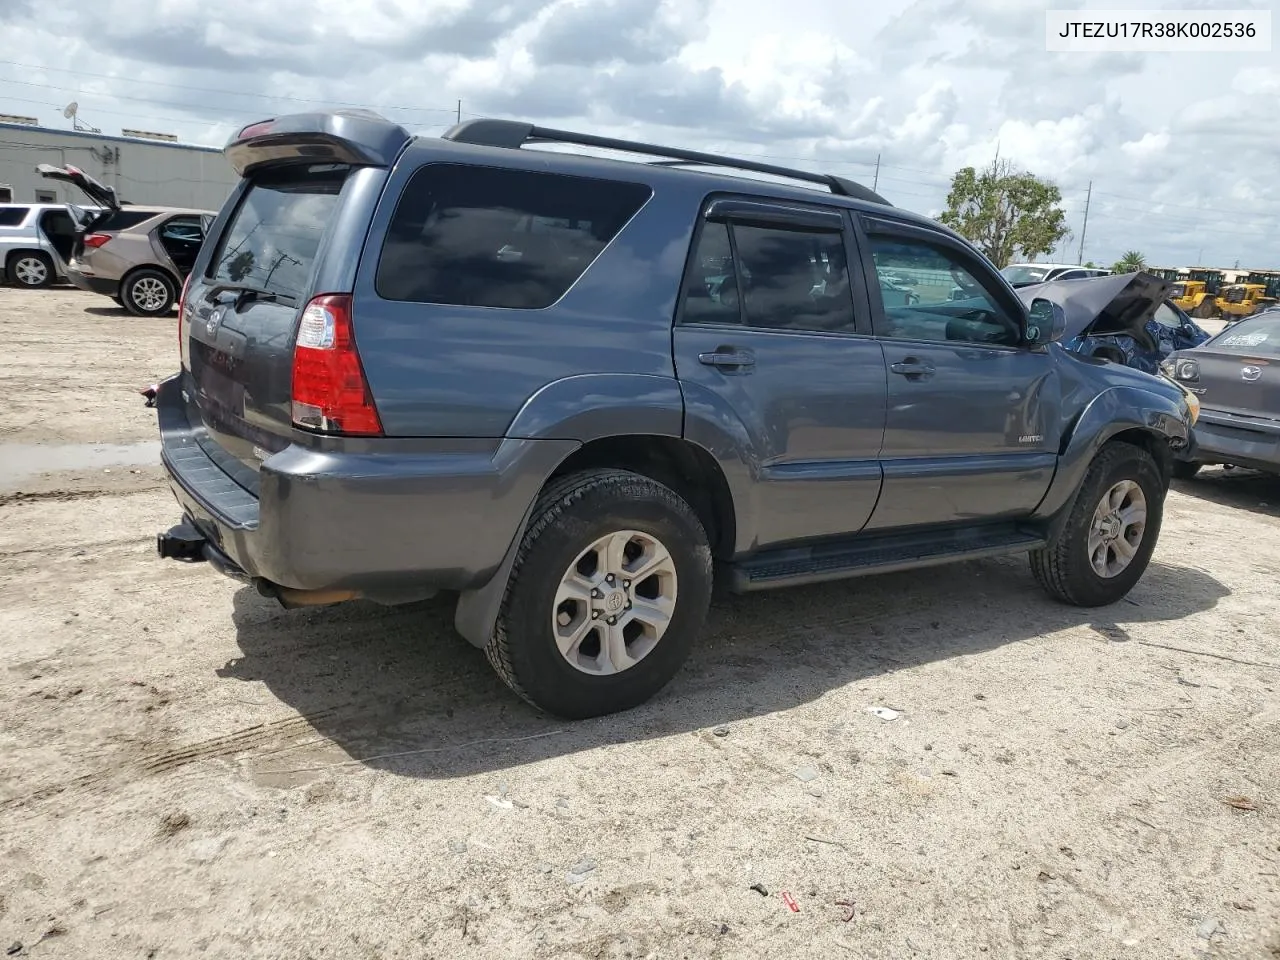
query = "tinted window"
{"x": 124, "y": 219}
{"x": 483, "y": 237}
{"x": 12, "y": 216}
{"x": 710, "y": 289}
{"x": 929, "y": 294}
{"x": 272, "y": 239}
{"x": 793, "y": 279}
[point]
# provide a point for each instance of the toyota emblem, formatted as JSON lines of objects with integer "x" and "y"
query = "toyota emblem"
{"x": 1250, "y": 372}
{"x": 215, "y": 318}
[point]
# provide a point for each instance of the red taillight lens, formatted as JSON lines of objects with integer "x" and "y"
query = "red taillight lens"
{"x": 95, "y": 240}
{"x": 330, "y": 392}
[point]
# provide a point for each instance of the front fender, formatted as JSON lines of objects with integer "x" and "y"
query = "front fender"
{"x": 1114, "y": 411}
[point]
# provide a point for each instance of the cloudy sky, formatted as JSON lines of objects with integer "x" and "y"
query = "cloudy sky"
{"x": 1182, "y": 149}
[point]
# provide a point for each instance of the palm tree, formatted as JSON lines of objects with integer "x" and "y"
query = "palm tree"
{"x": 1131, "y": 262}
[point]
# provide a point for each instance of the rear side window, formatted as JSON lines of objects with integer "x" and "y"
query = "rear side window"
{"x": 486, "y": 237}
{"x": 12, "y": 216}
{"x": 272, "y": 239}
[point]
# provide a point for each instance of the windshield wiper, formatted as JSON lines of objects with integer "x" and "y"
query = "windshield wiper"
{"x": 246, "y": 293}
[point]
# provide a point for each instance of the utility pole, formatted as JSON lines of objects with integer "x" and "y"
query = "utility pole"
{"x": 459, "y": 111}
{"x": 876, "y": 182}
{"x": 1088, "y": 196}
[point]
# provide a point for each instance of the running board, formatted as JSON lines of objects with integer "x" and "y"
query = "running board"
{"x": 884, "y": 553}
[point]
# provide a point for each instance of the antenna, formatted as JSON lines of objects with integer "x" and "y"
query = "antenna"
{"x": 72, "y": 113}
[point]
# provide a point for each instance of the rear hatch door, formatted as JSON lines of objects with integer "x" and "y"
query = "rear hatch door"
{"x": 310, "y": 183}
{"x": 99, "y": 194}
{"x": 240, "y": 315}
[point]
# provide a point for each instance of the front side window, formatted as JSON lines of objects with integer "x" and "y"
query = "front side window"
{"x": 780, "y": 279}
{"x": 929, "y": 294}
{"x": 489, "y": 237}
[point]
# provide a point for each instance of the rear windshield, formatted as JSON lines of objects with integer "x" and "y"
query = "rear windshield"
{"x": 123, "y": 219}
{"x": 1257, "y": 334}
{"x": 12, "y": 216}
{"x": 272, "y": 239}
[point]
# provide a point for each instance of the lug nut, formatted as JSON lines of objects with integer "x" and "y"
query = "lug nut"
{"x": 596, "y": 593}
{"x": 595, "y": 614}
{"x": 612, "y": 621}
{"x": 628, "y": 604}
{"x": 609, "y": 578}
{"x": 626, "y": 583}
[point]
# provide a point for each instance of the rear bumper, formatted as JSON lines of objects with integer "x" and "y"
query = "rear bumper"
{"x": 1242, "y": 441}
{"x": 99, "y": 285}
{"x": 395, "y": 521}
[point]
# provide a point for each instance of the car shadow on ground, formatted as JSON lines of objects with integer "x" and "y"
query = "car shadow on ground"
{"x": 397, "y": 690}
{"x": 1240, "y": 489}
{"x": 108, "y": 311}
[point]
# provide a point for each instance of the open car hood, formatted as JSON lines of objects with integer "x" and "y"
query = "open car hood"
{"x": 1103, "y": 306}
{"x": 100, "y": 194}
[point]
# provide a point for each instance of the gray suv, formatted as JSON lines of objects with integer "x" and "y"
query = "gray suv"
{"x": 573, "y": 391}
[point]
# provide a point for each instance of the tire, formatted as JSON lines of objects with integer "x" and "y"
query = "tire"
{"x": 32, "y": 269}
{"x": 1064, "y": 568}
{"x": 1185, "y": 469}
{"x": 571, "y": 516}
{"x": 148, "y": 293}
{"x": 1204, "y": 311}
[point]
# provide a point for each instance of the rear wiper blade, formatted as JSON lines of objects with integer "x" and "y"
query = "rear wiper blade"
{"x": 245, "y": 292}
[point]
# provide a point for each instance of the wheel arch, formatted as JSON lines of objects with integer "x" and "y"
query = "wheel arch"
{"x": 1128, "y": 414}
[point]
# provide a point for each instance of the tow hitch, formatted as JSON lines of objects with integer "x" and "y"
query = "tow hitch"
{"x": 183, "y": 542}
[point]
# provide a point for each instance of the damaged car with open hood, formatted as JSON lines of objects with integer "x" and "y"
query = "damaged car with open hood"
{"x": 1124, "y": 318}
{"x": 137, "y": 255}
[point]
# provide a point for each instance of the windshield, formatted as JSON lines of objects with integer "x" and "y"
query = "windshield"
{"x": 1259, "y": 334}
{"x": 272, "y": 240}
{"x": 1021, "y": 273}
{"x": 1178, "y": 290}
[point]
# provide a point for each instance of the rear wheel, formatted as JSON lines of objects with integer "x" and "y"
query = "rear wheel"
{"x": 1107, "y": 541}
{"x": 1203, "y": 311}
{"x": 30, "y": 268}
{"x": 1185, "y": 469}
{"x": 148, "y": 293}
{"x": 609, "y": 590}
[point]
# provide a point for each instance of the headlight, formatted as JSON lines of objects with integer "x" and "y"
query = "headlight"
{"x": 1186, "y": 370}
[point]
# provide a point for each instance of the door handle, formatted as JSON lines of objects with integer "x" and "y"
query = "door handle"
{"x": 727, "y": 358}
{"x": 914, "y": 369}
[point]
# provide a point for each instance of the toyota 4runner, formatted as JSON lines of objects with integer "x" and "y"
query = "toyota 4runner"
{"x": 571, "y": 390}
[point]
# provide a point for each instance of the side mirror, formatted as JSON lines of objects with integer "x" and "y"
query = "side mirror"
{"x": 1046, "y": 322}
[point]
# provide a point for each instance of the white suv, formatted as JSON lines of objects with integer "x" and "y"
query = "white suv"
{"x": 1023, "y": 273}
{"x": 35, "y": 242}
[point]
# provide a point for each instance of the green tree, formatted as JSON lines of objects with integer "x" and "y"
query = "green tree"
{"x": 1131, "y": 262}
{"x": 1005, "y": 212}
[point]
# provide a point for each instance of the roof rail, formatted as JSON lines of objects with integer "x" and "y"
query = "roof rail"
{"x": 513, "y": 134}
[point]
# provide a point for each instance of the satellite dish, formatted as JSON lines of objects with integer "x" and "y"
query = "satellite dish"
{"x": 70, "y": 110}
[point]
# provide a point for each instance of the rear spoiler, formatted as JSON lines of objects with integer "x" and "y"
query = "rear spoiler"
{"x": 360, "y": 138}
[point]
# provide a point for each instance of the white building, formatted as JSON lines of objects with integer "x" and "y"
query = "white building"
{"x": 144, "y": 168}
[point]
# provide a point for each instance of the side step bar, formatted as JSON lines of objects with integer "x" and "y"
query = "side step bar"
{"x": 794, "y": 566}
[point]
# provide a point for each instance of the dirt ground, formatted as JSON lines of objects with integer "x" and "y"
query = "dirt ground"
{"x": 188, "y": 770}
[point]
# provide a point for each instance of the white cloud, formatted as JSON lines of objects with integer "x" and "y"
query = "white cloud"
{"x": 1177, "y": 147}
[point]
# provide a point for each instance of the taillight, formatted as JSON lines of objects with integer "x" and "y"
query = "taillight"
{"x": 95, "y": 240}
{"x": 330, "y": 392}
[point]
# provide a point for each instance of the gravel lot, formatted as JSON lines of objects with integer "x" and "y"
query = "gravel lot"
{"x": 188, "y": 770}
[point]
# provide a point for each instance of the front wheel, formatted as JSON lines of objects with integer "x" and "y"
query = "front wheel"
{"x": 1107, "y": 541}
{"x": 609, "y": 590}
{"x": 148, "y": 293}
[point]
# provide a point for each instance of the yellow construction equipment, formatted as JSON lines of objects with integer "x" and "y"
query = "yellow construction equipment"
{"x": 1193, "y": 298}
{"x": 1241, "y": 300}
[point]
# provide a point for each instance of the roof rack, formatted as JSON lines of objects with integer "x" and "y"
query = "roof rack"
{"x": 513, "y": 134}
